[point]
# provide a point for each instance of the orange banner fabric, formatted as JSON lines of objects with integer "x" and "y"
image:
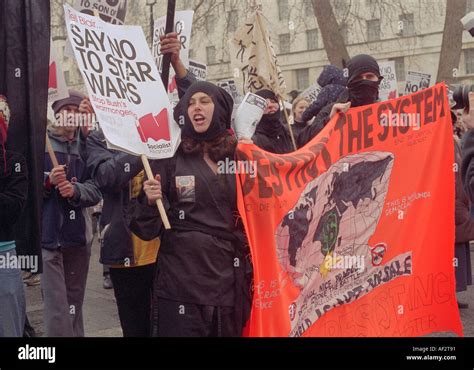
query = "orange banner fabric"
{"x": 353, "y": 234}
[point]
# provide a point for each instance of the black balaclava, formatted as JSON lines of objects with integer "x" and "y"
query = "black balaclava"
{"x": 363, "y": 92}
{"x": 270, "y": 124}
{"x": 223, "y": 105}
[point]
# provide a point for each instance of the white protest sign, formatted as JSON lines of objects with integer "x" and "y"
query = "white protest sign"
{"x": 110, "y": 11}
{"x": 231, "y": 88}
{"x": 199, "y": 70}
{"x": 57, "y": 88}
{"x": 312, "y": 92}
{"x": 416, "y": 81}
{"x": 248, "y": 115}
{"x": 124, "y": 86}
{"x": 388, "y": 88}
{"x": 183, "y": 22}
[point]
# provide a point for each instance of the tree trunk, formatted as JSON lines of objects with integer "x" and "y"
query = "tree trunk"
{"x": 452, "y": 41}
{"x": 332, "y": 38}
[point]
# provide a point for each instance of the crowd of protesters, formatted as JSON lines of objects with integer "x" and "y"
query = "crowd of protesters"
{"x": 193, "y": 288}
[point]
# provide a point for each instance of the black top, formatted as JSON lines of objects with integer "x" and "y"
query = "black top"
{"x": 13, "y": 192}
{"x": 196, "y": 261}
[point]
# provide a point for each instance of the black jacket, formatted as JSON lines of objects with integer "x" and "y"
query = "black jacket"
{"x": 13, "y": 192}
{"x": 333, "y": 84}
{"x": 278, "y": 142}
{"x": 320, "y": 121}
{"x": 204, "y": 258}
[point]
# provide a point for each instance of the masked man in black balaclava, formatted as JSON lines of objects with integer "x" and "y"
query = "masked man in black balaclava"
{"x": 362, "y": 89}
{"x": 271, "y": 134}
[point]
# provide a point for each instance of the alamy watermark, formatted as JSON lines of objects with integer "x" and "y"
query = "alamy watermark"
{"x": 231, "y": 167}
{"x": 344, "y": 262}
{"x": 12, "y": 261}
{"x": 400, "y": 120}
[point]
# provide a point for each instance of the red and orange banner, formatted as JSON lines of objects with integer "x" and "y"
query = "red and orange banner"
{"x": 353, "y": 234}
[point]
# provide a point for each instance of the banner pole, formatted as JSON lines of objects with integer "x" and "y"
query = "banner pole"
{"x": 159, "y": 202}
{"x": 275, "y": 76}
{"x": 51, "y": 153}
{"x": 165, "y": 71}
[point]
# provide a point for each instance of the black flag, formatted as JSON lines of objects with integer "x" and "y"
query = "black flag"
{"x": 24, "y": 62}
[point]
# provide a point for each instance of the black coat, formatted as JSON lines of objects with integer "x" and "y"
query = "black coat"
{"x": 13, "y": 192}
{"x": 320, "y": 121}
{"x": 278, "y": 141}
{"x": 204, "y": 258}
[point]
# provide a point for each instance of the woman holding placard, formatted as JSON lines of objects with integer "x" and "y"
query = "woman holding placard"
{"x": 202, "y": 262}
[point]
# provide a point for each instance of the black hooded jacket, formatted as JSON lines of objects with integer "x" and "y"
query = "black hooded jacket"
{"x": 333, "y": 84}
{"x": 271, "y": 134}
{"x": 13, "y": 192}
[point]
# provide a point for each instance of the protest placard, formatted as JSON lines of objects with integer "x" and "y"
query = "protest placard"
{"x": 416, "y": 81}
{"x": 183, "y": 26}
{"x": 57, "y": 88}
{"x": 110, "y": 11}
{"x": 199, "y": 70}
{"x": 248, "y": 115}
{"x": 388, "y": 88}
{"x": 124, "y": 86}
{"x": 312, "y": 92}
{"x": 231, "y": 88}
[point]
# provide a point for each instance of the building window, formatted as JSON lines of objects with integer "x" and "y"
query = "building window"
{"x": 469, "y": 61}
{"x": 407, "y": 23}
{"x": 399, "y": 68}
{"x": 344, "y": 30}
{"x": 284, "y": 43}
{"x": 283, "y": 12}
{"x": 210, "y": 23}
{"x": 312, "y": 39}
{"x": 308, "y": 8}
{"x": 302, "y": 79}
{"x": 233, "y": 20}
{"x": 211, "y": 55}
{"x": 373, "y": 30}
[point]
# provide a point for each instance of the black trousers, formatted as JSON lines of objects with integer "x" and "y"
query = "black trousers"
{"x": 177, "y": 319}
{"x": 133, "y": 289}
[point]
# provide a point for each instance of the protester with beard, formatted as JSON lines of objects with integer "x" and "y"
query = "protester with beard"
{"x": 271, "y": 134}
{"x": 13, "y": 193}
{"x": 362, "y": 89}
{"x": 199, "y": 284}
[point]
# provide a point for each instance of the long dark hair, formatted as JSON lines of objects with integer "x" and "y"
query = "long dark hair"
{"x": 223, "y": 146}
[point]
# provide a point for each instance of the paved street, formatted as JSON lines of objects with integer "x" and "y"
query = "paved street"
{"x": 100, "y": 310}
{"x": 101, "y": 317}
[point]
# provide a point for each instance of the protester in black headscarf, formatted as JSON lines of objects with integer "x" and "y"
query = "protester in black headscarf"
{"x": 362, "y": 89}
{"x": 199, "y": 286}
{"x": 271, "y": 134}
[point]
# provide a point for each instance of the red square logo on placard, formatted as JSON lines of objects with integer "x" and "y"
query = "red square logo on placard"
{"x": 154, "y": 127}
